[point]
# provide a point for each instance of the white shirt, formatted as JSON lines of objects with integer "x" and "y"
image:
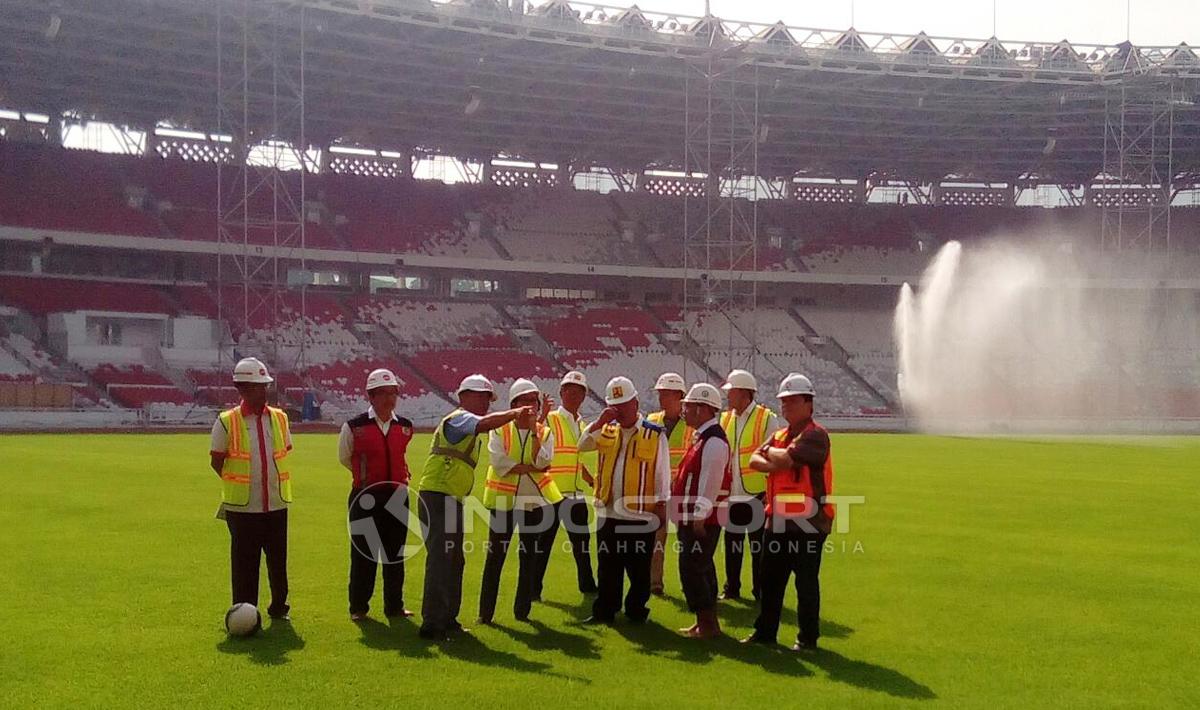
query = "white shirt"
{"x": 736, "y": 489}
{"x": 346, "y": 438}
{"x": 713, "y": 459}
{"x": 260, "y": 446}
{"x": 529, "y": 496}
{"x": 662, "y": 475}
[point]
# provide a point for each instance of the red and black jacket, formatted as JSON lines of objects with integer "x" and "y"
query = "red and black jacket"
{"x": 377, "y": 458}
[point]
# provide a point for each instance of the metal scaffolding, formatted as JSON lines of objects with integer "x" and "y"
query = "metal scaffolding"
{"x": 1138, "y": 172}
{"x": 261, "y": 49}
{"x": 720, "y": 242}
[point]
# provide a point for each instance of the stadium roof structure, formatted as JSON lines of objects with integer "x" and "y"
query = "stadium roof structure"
{"x": 596, "y": 85}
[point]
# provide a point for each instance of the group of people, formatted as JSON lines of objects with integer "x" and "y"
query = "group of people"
{"x": 711, "y": 465}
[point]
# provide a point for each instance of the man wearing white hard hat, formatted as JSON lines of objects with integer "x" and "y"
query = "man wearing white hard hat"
{"x": 519, "y": 494}
{"x": 249, "y": 450}
{"x": 372, "y": 447}
{"x": 747, "y": 425}
{"x": 571, "y": 470}
{"x": 799, "y": 472}
{"x": 670, "y": 389}
{"x": 699, "y": 485}
{"x": 446, "y": 480}
{"x": 633, "y": 474}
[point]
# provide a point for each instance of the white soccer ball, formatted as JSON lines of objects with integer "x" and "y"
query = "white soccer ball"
{"x": 243, "y": 620}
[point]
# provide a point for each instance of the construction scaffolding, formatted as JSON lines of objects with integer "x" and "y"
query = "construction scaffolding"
{"x": 260, "y": 48}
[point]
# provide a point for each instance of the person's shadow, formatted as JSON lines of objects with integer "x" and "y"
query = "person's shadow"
{"x": 269, "y": 647}
{"x": 397, "y": 635}
{"x": 466, "y": 647}
{"x": 546, "y": 638}
{"x": 868, "y": 675}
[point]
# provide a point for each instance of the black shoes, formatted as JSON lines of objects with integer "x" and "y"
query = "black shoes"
{"x": 806, "y": 647}
{"x": 758, "y": 638}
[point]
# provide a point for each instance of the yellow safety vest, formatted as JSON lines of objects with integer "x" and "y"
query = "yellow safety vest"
{"x": 499, "y": 492}
{"x": 679, "y": 440}
{"x": 450, "y": 468}
{"x": 567, "y": 465}
{"x": 743, "y": 444}
{"x": 235, "y": 471}
{"x": 641, "y": 459}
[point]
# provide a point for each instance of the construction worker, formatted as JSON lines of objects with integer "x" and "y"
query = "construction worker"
{"x": 447, "y": 479}
{"x": 670, "y": 389}
{"x": 571, "y": 475}
{"x": 747, "y": 424}
{"x": 520, "y": 494}
{"x": 699, "y": 484}
{"x": 249, "y": 450}
{"x": 799, "y": 471}
{"x": 632, "y": 486}
{"x": 372, "y": 447}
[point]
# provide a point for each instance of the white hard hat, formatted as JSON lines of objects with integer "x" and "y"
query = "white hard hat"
{"x": 704, "y": 393}
{"x": 251, "y": 369}
{"x": 381, "y": 378}
{"x": 574, "y": 377}
{"x": 619, "y": 391}
{"x": 476, "y": 383}
{"x": 670, "y": 381}
{"x": 794, "y": 384}
{"x": 521, "y": 386}
{"x": 740, "y": 380}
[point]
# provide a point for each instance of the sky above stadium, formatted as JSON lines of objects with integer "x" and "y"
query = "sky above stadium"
{"x": 1151, "y": 22}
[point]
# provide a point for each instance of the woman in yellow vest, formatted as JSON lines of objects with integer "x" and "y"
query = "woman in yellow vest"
{"x": 671, "y": 389}
{"x": 249, "y": 449}
{"x": 570, "y": 471}
{"x": 747, "y": 425}
{"x": 521, "y": 494}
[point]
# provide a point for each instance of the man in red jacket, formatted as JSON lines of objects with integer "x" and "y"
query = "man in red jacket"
{"x": 372, "y": 446}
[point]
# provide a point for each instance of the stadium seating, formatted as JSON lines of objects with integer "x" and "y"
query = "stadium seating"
{"x": 420, "y": 323}
{"x": 42, "y": 295}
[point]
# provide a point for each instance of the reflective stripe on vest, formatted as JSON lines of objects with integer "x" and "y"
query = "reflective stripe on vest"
{"x": 567, "y": 463}
{"x": 679, "y": 439}
{"x": 790, "y": 492}
{"x": 640, "y": 465}
{"x": 500, "y": 491}
{"x": 235, "y": 471}
{"x": 743, "y": 447}
{"x": 450, "y": 468}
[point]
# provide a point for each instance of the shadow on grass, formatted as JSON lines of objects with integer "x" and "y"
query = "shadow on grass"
{"x": 544, "y": 638}
{"x": 869, "y": 676}
{"x": 466, "y": 647}
{"x": 742, "y": 613}
{"x": 269, "y": 647}
{"x": 657, "y": 640}
{"x": 398, "y": 635}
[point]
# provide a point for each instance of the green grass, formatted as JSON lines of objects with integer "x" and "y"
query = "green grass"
{"x": 979, "y": 573}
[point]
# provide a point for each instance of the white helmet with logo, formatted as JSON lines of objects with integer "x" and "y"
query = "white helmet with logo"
{"x": 381, "y": 378}
{"x": 619, "y": 391}
{"x": 795, "y": 384}
{"x": 704, "y": 393}
{"x": 574, "y": 377}
{"x": 252, "y": 370}
{"x": 670, "y": 381}
{"x": 476, "y": 383}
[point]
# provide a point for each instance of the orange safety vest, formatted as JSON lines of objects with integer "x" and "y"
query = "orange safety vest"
{"x": 790, "y": 491}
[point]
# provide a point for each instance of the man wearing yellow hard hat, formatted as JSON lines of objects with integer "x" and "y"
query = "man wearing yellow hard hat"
{"x": 249, "y": 450}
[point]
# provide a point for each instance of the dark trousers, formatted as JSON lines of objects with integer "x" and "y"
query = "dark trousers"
{"x": 787, "y": 552}
{"x": 442, "y": 517}
{"x": 378, "y": 532}
{"x": 252, "y": 535}
{"x": 572, "y": 513}
{"x": 740, "y": 533}
{"x": 532, "y": 546}
{"x": 622, "y": 550}
{"x": 697, "y": 571}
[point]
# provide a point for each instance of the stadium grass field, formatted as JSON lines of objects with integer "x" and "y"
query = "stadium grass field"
{"x": 978, "y": 573}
